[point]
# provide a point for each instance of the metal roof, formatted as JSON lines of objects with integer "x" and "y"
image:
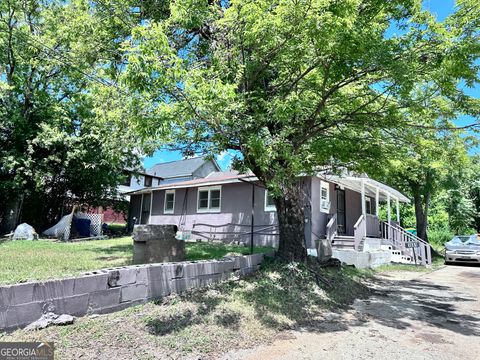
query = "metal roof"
{"x": 179, "y": 168}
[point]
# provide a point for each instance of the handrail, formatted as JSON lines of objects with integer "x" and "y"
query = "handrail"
{"x": 359, "y": 231}
{"x": 410, "y": 234}
{"x": 398, "y": 236}
{"x": 331, "y": 230}
{"x": 357, "y": 224}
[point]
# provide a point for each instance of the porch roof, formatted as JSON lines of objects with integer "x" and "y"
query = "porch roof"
{"x": 355, "y": 183}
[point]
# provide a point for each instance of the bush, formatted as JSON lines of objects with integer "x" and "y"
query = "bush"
{"x": 440, "y": 236}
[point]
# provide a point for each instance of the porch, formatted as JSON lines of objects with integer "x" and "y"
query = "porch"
{"x": 372, "y": 235}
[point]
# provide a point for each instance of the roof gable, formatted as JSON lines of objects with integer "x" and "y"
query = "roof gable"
{"x": 179, "y": 168}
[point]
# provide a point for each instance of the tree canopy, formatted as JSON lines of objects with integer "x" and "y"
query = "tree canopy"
{"x": 54, "y": 144}
{"x": 294, "y": 86}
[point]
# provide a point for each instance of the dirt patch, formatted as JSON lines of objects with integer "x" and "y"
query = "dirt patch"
{"x": 410, "y": 316}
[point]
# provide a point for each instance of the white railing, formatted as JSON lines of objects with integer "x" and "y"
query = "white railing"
{"x": 399, "y": 237}
{"x": 359, "y": 231}
{"x": 332, "y": 228}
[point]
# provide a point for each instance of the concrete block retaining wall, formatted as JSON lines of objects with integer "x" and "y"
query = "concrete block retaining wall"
{"x": 114, "y": 289}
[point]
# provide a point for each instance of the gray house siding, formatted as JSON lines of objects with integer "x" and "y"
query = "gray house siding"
{"x": 236, "y": 200}
{"x": 319, "y": 218}
{"x": 135, "y": 203}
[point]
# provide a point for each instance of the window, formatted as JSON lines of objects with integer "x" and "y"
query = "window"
{"x": 148, "y": 181}
{"x": 169, "y": 206}
{"x": 269, "y": 203}
{"x": 368, "y": 205}
{"x": 209, "y": 199}
{"x": 324, "y": 197}
{"x": 128, "y": 178}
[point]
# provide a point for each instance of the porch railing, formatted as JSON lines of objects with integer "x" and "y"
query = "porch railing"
{"x": 407, "y": 242}
{"x": 359, "y": 231}
{"x": 332, "y": 228}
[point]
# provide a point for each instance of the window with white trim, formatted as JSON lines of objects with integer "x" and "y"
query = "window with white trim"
{"x": 209, "y": 199}
{"x": 324, "y": 197}
{"x": 269, "y": 202}
{"x": 169, "y": 205}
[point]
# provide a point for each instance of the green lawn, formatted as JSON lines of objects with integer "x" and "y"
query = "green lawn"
{"x": 38, "y": 260}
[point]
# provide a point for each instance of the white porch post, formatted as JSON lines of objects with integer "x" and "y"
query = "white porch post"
{"x": 151, "y": 205}
{"x": 364, "y": 210}
{"x": 398, "y": 211}
{"x": 377, "y": 201}
{"x": 389, "y": 215}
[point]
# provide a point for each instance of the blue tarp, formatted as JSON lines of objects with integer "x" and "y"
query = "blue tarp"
{"x": 82, "y": 226}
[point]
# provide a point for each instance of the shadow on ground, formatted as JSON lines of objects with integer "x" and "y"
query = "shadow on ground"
{"x": 398, "y": 303}
{"x": 280, "y": 296}
{"x": 285, "y": 296}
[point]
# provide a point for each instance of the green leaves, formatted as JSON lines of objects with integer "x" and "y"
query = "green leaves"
{"x": 59, "y": 106}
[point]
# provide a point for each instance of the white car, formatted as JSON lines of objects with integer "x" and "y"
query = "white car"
{"x": 463, "y": 249}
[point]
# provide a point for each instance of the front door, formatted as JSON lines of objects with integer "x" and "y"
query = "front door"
{"x": 341, "y": 218}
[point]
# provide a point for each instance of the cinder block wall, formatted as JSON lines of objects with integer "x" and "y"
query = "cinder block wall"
{"x": 109, "y": 290}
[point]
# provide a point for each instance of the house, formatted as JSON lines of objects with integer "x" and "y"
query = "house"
{"x": 183, "y": 170}
{"x": 230, "y": 206}
{"x": 138, "y": 180}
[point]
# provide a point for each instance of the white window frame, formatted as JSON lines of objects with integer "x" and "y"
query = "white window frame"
{"x": 266, "y": 206}
{"x": 325, "y": 204}
{"x": 209, "y": 209}
{"x": 165, "y": 210}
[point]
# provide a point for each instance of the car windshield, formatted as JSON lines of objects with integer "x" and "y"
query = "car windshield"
{"x": 473, "y": 240}
{"x": 459, "y": 240}
{"x": 465, "y": 240}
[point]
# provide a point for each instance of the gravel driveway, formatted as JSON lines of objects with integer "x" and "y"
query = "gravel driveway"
{"x": 411, "y": 316}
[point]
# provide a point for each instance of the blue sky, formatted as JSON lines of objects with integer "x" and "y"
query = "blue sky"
{"x": 441, "y": 8}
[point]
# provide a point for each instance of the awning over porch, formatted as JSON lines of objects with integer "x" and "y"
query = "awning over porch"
{"x": 355, "y": 183}
{"x": 369, "y": 187}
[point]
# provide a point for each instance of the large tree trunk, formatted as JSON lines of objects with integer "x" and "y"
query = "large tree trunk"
{"x": 422, "y": 204}
{"x": 291, "y": 217}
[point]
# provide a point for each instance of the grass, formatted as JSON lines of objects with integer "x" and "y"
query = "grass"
{"x": 205, "y": 323}
{"x": 39, "y": 260}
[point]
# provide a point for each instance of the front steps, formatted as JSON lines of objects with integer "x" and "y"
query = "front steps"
{"x": 372, "y": 252}
{"x": 346, "y": 242}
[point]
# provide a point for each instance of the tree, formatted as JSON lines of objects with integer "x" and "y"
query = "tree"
{"x": 291, "y": 85}
{"x": 56, "y": 58}
{"x": 432, "y": 162}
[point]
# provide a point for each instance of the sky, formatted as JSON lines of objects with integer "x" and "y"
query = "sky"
{"x": 440, "y": 8}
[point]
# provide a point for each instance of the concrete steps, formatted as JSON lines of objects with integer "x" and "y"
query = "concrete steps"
{"x": 343, "y": 242}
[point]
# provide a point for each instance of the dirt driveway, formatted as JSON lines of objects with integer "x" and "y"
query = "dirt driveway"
{"x": 412, "y": 316}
